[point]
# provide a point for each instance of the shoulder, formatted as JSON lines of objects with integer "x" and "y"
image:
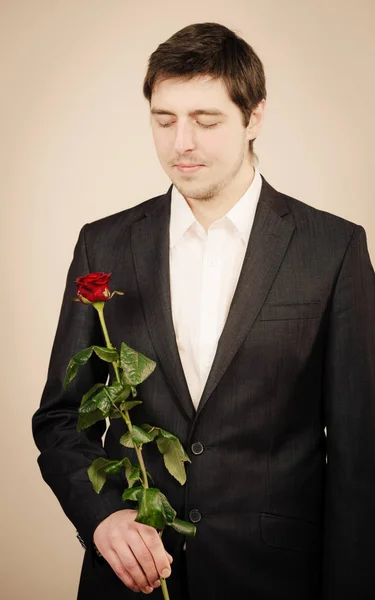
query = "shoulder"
{"x": 119, "y": 224}
{"x": 313, "y": 222}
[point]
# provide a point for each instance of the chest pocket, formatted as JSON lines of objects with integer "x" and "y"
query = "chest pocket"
{"x": 276, "y": 312}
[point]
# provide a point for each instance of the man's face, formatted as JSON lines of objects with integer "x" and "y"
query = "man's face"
{"x": 186, "y": 133}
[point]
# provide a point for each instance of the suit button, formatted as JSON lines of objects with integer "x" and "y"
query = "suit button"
{"x": 197, "y": 448}
{"x": 195, "y": 516}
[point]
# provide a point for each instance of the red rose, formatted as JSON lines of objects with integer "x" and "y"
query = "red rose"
{"x": 93, "y": 287}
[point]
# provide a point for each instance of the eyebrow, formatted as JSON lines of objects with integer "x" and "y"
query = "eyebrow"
{"x": 192, "y": 113}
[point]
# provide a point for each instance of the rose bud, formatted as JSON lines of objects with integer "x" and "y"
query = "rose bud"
{"x": 93, "y": 287}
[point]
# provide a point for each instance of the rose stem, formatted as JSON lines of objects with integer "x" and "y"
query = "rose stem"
{"x": 128, "y": 422}
{"x": 163, "y": 582}
{"x": 125, "y": 415}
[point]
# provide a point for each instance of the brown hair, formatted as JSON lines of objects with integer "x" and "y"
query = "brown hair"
{"x": 211, "y": 49}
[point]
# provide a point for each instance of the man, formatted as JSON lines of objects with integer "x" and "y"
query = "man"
{"x": 259, "y": 311}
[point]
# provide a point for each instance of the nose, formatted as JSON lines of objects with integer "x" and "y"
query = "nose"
{"x": 184, "y": 140}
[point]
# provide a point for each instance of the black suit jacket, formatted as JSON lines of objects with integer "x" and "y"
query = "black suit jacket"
{"x": 296, "y": 356}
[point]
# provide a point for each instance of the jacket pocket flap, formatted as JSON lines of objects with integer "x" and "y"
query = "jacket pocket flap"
{"x": 310, "y": 310}
{"x": 289, "y": 534}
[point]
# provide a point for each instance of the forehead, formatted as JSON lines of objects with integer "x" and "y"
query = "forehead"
{"x": 188, "y": 95}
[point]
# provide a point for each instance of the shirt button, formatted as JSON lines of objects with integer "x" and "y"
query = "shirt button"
{"x": 195, "y": 516}
{"x": 197, "y": 448}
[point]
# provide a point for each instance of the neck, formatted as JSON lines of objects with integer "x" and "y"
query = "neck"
{"x": 208, "y": 211}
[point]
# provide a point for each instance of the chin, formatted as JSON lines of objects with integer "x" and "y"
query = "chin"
{"x": 202, "y": 193}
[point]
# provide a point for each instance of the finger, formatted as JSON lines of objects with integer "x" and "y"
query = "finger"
{"x": 131, "y": 565}
{"x": 144, "y": 556}
{"x": 118, "y": 567}
{"x": 157, "y": 550}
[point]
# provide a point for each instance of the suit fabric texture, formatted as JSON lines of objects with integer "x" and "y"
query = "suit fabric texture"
{"x": 285, "y": 510}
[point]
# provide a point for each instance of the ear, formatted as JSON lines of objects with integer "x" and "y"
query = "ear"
{"x": 256, "y": 120}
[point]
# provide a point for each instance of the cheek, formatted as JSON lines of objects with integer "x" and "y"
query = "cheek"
{"x": 212, "y": 145}
{"x": 160, "y": 140}
{"x": 221, "y": 149}
{"x": 220, "y": 143}
{"x": 162, "y": 147}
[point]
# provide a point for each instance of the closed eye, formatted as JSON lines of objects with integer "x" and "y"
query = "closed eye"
{"x": 200, "y": 124}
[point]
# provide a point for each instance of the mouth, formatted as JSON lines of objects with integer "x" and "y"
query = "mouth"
{"x": 188, "y": 168}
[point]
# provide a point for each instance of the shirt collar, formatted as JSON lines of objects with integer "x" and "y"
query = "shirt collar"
{"x": 241, "y": 214}
{"x": 182, "y": 217}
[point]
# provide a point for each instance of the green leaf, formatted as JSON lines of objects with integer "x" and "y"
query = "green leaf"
{"x": 119, "y": 392}
{"x": 115, "y": 468}
{"x": 114, "y": 413}
{"x": 126, "y": 440}
{"x": 103, "y": 399}
{"x": 85, "y": 420}
{"x": 133, "y": 493}
{"x": 77, "y": 361}
{"x": 99, "y": 401}
{"x": 150, "y": 430}
{"x": 171, "y": 448}
{"x": 122, "y": 405}
{"x": 100, "y": 468}
{"x": 139, "y": 437}
{"x": 173, "y": 454}
{"x": 170, "y": 513}
{"x": 107, "y": 354}
{"x": 83, "y": 356}
{"x": 132, "y": 473}
{"x": 91, "y": 392}
{"x": 130, "y": 404}
{"x": 183, "y": 527}
{"x": 154, "y": 509}
{"x": 135, "y": 366}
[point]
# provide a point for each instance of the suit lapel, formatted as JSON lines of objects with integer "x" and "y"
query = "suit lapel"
{"x": 268, "y": 242}
{"x": 150, "y": 247}
{"x": 269, "y": 239}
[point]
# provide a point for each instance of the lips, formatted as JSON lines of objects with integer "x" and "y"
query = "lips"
{"x": 188, "y": 168}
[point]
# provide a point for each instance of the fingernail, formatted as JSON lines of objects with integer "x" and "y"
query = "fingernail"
{"x": 165, "y": 573}
{"x": 156, "y": 583}
{"x": 148, "y": 589}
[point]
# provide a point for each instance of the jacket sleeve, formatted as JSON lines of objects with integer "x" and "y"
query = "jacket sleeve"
{"x": 65, "y": 453}
{"x": 349, "y": 405}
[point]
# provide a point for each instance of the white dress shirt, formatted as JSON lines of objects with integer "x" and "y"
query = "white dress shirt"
{"x": 204, "y": 270}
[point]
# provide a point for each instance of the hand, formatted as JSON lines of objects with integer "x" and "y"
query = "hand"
{"x": 134, "y": 551}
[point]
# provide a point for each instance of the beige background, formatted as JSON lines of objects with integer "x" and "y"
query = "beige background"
{"x": 77, "y": 145}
